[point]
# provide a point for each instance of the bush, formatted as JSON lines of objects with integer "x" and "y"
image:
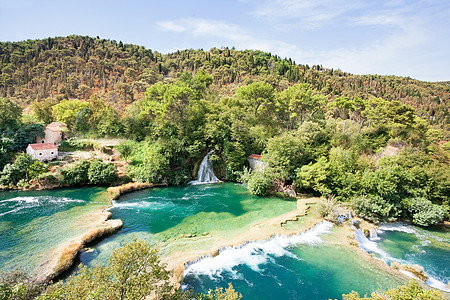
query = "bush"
{"x": 330, "y": 209}
{"x": 15, "y": 285}
{"x": 375, "y": 209}
{"x": 259, "y": 183}
{"x": 101, "y": 173}
{"x": 126, "y": 148}
{"x": 423, "y": 212}
{"x": 76, "y": 173}
{"x": 409, "y": 291}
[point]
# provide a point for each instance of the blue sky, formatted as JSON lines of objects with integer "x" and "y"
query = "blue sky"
{"x": 395, "y": 37}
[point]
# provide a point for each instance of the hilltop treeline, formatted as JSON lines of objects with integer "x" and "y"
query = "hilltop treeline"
{"x": 379, "y": 143}
{"x": 79, "y": 67}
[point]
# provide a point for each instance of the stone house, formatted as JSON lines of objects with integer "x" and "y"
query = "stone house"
{"x": 255, "y": 162}
{"x": 54, "y": 133}
{"x": 43, "y": 151}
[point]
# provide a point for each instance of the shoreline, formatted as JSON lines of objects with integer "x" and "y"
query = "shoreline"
{"x": 63, "y": 256}
{"x": 178, "y": 261}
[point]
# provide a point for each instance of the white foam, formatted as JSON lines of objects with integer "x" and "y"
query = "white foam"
{"x": 141, "y": 204}
{"x": 397, "y": 226}
{"x": 23, "y": 199}
{"x": 370, "y": 246}
{"x": 254, "y": 254}
{"x": 23, "y": 203}
{"x": 433, "y": 282}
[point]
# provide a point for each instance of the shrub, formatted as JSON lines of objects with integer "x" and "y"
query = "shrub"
{"x": 259, "y": 183}
{"x": 15, "y": 285}
{"x": 423, "y": 212}
{"x": 76, "y": 173}
{"x": 375, "y": 208}
{"x": 409, "y": 291}
{"x": 101, "y": 173}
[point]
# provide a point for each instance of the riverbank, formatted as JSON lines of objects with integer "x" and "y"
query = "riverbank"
{"x": 97, "y": 225}
{"x": 63, "y": 256}
{"x": 178, "y": 260}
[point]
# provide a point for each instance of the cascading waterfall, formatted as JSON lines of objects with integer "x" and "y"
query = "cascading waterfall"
{"x": 205, "y": 172}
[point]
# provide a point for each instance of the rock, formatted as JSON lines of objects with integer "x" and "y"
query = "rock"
{"x": 366, "y": 232}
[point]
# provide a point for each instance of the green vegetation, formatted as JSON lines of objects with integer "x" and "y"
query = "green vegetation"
{"x": 22, "y": 170}
{"x": 409, "y": 291}
{"x": 133, "y": 272}
{"x": 88, "y": 172}
{"x": 374, "y": 142}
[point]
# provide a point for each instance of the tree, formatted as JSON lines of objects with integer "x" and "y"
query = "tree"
{"x": 75, "y": 174}
{"x": 314, "y": 176}
{"x": 10, "y": 115}
{"x": 150, "y": 164}
{"x": 134, "y": 272}
{"x": 260, "y": 182}
{"x": 43, "y": 111}
{"x": 13, "y": 173}
{"x": 66, "y": 111}
{"x": 297, "y": 102}
{"x": 284, "y": 153}
{"x": 257, "y": 95}
{"x": 409, "y": 291}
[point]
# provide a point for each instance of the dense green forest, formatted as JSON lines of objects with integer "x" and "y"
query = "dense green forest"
{"x": 78, "y": 67}
{"x": 378, "y": 143}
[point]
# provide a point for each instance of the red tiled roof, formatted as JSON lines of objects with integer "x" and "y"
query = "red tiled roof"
{"x": 255, "y": 156}
{"x": 43, "y": 146}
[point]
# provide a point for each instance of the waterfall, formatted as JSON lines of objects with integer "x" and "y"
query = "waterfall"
{"x": 373, "y": 235}
{"x": 370, "y": 246}
{"x": 205, "y": 172}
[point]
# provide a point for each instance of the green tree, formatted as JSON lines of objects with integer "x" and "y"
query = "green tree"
{"x": 134, "y": 272}
{"x": 314, "y": 177}
{"x": 75, "y": 174}
{"x": 257, "y": 96}
{"x": 409, "y": 291}
{"x": 284, "y": 153}
{"x": 66, "y": 111}
{"x": 297, "y": 102}
{"x": 43, "y": 110}
{"x": 10, "y": 115}
{"x": 260, "y": 182}
{"x": 149, "y": 163}
{"x": 16, "y": 171}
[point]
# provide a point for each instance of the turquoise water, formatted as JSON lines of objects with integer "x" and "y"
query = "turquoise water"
{"x": 302, "y": 267}
{"x": 34, "y": 222}
{"x": 165, "y": 214}
{"x": 414, "y": 245}
{"x": 299, "y": 267}
{"x": 184, "y": 218}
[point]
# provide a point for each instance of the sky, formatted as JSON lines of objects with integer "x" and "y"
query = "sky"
{"x": 386, "y": 37}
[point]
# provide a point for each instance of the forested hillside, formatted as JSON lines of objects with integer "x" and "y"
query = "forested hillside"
{"x": 79, "y": 67}
{"x": 379, "y": 143}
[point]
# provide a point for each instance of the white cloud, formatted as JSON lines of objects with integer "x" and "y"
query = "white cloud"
{"x": 232, "y": 34}
{"x": 306, "y": 14}
{"x": 171, "y": 26}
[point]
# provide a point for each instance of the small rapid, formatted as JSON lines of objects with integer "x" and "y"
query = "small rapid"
{"x": 254, "y": 253}
{"x": 407, "y": 245}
